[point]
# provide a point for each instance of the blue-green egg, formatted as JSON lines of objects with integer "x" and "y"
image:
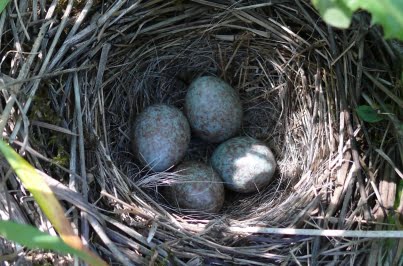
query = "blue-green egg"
{"x": 245, "y": 164}
{"x": 198, "y": 188}
{"x": 213, "y": 109}
{"x": 161, "y": 135}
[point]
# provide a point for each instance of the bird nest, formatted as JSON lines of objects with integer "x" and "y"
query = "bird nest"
{"x": 96, "y": 65}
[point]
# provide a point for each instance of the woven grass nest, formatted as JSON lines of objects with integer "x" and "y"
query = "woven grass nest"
{"x": 96, "y": 65}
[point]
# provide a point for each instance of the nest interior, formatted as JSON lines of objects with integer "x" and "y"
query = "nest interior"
{"x": 162, "y": 74}
{"x": 299, "y": 81}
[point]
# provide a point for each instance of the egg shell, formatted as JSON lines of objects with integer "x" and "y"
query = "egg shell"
{"x": 213, "y": 108}
{"x": 161, "y": 135}
{"x": 199, "y": 188}
{"x": 245, "y": 164}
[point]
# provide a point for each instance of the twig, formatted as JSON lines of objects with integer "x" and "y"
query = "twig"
{"x": 53, "y": 127}
{"x": 13, "y": 82}
{"x": 391, "y": 95}
{"x": 84, "y": 184}
{"x": 20, "y": 19}
{"x": 392, "y": 164}
{"x": 99, "y": 90}
{"x": 316, "y": 232}
{"x": 72, "y": 178}
{"x": 111, "y": 246}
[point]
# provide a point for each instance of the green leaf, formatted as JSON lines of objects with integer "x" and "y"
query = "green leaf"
{"x": 3, "y": 4}
{"x": 387, "y": 13}
{"x": 335, "y": 13}
{"x": 368, "y": 114}
{"x": 31, "y": 237}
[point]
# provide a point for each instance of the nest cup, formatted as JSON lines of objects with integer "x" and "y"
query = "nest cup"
{"x": 299, "y": 82}
{"x": 157, "y": 69}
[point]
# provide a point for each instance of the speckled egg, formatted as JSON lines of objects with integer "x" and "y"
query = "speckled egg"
{"x": 245, "y": 164}
{"x": 213, "y": 108}
{"x": 161, "y": 135}
{"x": 199, "y": 188}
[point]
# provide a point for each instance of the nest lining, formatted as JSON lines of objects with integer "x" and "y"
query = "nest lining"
{"x": 281, "y": 59}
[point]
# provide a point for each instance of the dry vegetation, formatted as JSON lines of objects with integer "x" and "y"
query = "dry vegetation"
{"x": 72, "y": 80}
